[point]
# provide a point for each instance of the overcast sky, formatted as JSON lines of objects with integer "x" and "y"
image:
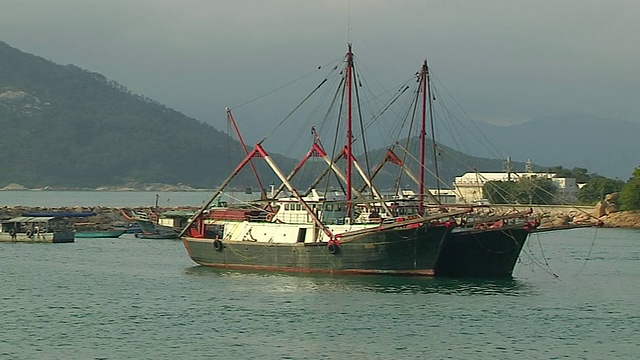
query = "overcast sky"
{"x": 504, "y": 61}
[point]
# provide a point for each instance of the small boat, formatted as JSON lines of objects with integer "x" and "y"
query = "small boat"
{"x": 99, "y": 233}
{"x": 149, "y": 225}
{"x": 46, "y": 229}
{"x": 128, "y": 228}
{"x": 157, "y": 236}
{"x": 95, "y": 230}
{"x": 60, "y": 214}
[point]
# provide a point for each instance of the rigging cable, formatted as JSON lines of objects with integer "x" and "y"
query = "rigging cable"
{"x": 292, "y": 111}
{"x": 544, "y": 256}
{"x": 341, "y": 90}
{"x": 593, "y": 241}
{"x": 364, "y": 142}
{"x": 474, "y": 123}
{"x": 414, "y": 109}
{"x": 535, "y": 261}
{"x": 283, "y": 86}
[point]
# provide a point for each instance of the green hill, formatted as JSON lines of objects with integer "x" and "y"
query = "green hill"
{"x": 66, "y": 127}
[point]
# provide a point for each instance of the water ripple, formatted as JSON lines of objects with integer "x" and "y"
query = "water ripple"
{"x": 146, "y": 300}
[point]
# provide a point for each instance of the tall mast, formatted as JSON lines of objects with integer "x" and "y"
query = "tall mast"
{"x": 423, "y": 130}
{"x": 433, "y": 133}
{"x": 349, "y": 156}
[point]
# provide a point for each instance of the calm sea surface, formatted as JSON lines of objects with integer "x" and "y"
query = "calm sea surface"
{"x": 575, "y": 294}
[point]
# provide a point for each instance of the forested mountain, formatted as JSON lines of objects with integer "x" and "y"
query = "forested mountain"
{"x": 66, "y": 127}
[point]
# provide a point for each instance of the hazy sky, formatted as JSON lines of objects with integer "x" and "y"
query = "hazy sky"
{"x": 504, "y": 61}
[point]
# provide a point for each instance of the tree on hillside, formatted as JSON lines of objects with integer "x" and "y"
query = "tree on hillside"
{"x": 537, "y": 190}
{"x": 500, "y": 192}
{"x": 580, "y": 174}
{"x": 629, "y": 197}
{"x": 597, "y": 188}
{"x": 527, "y": 190}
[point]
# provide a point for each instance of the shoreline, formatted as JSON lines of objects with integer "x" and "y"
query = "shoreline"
{"x": 108, "y": 216}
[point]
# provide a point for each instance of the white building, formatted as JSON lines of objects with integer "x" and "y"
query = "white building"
{"x": 468, "y": 187}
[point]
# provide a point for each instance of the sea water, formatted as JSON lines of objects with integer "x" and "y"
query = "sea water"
{"x": 574, "y": 294}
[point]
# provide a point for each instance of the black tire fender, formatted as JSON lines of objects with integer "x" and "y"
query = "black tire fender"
{"x": 218, "y": 245}
{"x": 333, "y": 248}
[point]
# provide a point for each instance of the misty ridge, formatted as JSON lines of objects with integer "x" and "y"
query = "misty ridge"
{"x": 66, "y": 127}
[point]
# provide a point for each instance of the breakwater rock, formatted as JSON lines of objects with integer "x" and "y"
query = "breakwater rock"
{"x": 104, "y": 218}
{"x": 622, "y": 219}
{"x": 109, "y": 216}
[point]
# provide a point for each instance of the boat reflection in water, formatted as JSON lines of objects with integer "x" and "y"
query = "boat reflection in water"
{"x": 323, "y": 283}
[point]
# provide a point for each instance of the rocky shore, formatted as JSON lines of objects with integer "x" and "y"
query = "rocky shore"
{"x": 104, "y": 218}
{"x": 619, "y": 219}
{"x": 133, "y": 186}
{"x": 109, "y": 216}
{"x": 622, "y": 219}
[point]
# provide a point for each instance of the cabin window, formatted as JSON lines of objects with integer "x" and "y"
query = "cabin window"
{"x": 298, "y": 207}
{"x": 286, "y": 206}
{"x": 215, "y": 231}
{"x": 302, "y": 234}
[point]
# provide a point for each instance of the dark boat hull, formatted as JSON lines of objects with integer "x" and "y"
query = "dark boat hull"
{"x": 398, "y": 251}
{"x": 486, "y": 253}
{"x": 99, "y": 234}
{"x": 157, "y": 236}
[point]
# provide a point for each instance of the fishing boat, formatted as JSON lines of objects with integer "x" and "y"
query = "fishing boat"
{"x": 488, "y": 249}
{"x": 99, "y": 234}
{"x": 481, "y": 245}
{"x": 46, "y": 229}
{"x": 127, "y": 227}
{"x": 312, "y": 231}
{"x": 150, "y": 227}
{"x": 157, "y": 235}
{"x": 486, "y": 241}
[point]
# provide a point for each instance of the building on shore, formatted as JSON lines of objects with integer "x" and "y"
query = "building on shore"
{"x": 469, "y": 187}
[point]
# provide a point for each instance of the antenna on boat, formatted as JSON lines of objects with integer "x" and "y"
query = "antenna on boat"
{"x": 348, "y": 21}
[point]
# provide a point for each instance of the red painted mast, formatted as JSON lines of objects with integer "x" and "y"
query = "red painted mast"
{"x": 349, "y": 156}
{"x": 246, "y": 152}
{"x": 423, "y": 132}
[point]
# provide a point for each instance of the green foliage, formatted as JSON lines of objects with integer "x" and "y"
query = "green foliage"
{"x": 501, "y": 192}
{"x": 596, "y": 188}
{"x": 533, "y": 190}
{"x": 580, "y": 174}
{"x": 74, "y": 128}
{"x": 629, "y": 197}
